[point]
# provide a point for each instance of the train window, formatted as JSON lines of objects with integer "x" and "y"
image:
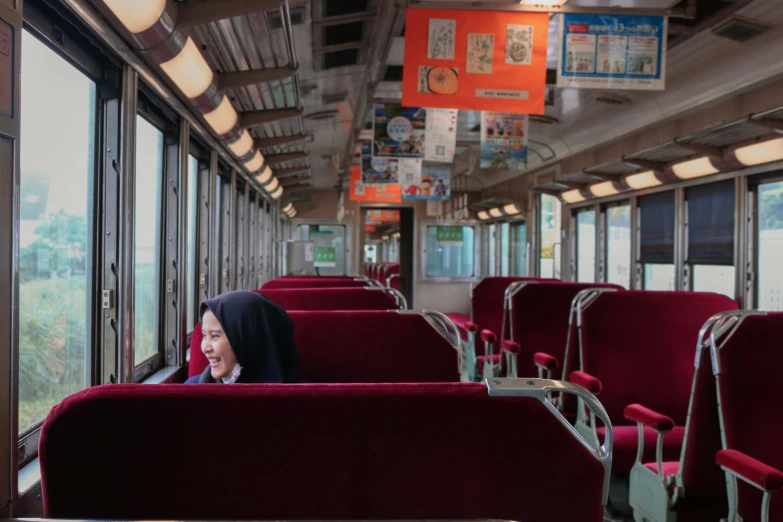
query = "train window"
{"x": 450, "y": 259}
{"x": 585, "y": 246}
{"x": 549, "y": 236}
{"x": 656, "y": 240}
{"x": 192, "y": 239}
{"x": 147, "y": 247}
{"x": 618, "y": 245}
{"x": 505, "y": 249}
{"x": 56, "y": 186}
{"x": 770, "y": 247}
{"x": 711, "y": 237}
{"x": 519, "y": 249}
{"x": 492, "y": 254}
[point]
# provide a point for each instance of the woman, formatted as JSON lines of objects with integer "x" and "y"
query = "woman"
{"x": 247, "y": 339}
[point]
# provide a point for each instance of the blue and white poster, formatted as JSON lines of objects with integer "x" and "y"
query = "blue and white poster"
{"x": 377, "y": 170}
{"x": 503, "y": 141}
{"x": 433, "y": 184}
{"x": 612, "y": 51}
{"x": 398, "y": 132}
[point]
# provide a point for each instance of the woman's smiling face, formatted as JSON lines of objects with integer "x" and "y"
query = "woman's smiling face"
{"x": 216, "y": 347}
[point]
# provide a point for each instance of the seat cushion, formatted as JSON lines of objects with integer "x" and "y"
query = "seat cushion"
{"x": 669, "y": 468}
{"x": 625, "y": 446}
{"x": 459, "y": 320}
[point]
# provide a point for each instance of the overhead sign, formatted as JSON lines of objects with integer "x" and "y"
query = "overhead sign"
{"x": 324, "y": 252}
{"x": 475, "y": 60}
{"x": 504, "y": 140}
{"x": 380, "y": 216}
{"x": 612, "y": 51}
{"x": 6, "y": 69}
{"x": 441, "y": 135}
{"x": 448, "y": 236}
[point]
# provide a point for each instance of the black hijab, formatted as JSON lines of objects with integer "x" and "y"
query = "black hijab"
{"x": 261, "y": 334}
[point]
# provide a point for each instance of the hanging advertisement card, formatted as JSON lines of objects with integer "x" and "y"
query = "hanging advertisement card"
{"x": 441, "y": 135}
{"x": 448, "y": 236}
{"x": 475, "y": 60}
{"x": 324, "y": 252}
{"x": 378, "y": 170}
{"x": 398, "y": 132}
{"x": 503, "y": 141}
{"x": 434, "y": 185}
{"x": 612, "y": 51}
{"x": 377, "y": 192}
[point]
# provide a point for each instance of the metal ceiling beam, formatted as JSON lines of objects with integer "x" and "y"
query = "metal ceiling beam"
{"x": 264, "y": 143}
{"x": 654, "y": 166}
{"x": 250, "y": 118}
{"x": 344, "y": 19}
{"x": 775, "y": 125}
{"x": 205, "y": 11}
{"x": 538, "y": 8}
{"x": 709, "y": 150}
{"x": 276, "y": 159}
{"x": 293, "y": 182}
{"x": 289, "y": 172}
{"x": 233, "y": 80}
{"x": 606, "y": 176}
{"x": 341, "y": 47}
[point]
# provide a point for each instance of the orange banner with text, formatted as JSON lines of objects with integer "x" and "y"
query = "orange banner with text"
{"x": 475, "y": 60}
{"x": 377, "y": 192}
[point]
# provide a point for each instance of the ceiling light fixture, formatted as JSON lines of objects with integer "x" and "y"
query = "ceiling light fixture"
{"x": 255, "y": 163}
{"x": 242, "y": 145}
{"x": 511, "y": 209}
{"x": 643, "y": 180}
{"x": 189, "y": 71}
{"x": 694, "y": 168}
{"x": 277, "y": 193}
{"x": 483, "y": 215}
{"x": 572, "y": 196}
{"x": 265, "y": 176}
{"x": 759, "y": 153}
{"x": 604, "y": 189}
{"x": 223, "y": 118}
{"x": 495, "y": 212}
{"x": 272, "y": 185}
{"x": 137, "y": 15}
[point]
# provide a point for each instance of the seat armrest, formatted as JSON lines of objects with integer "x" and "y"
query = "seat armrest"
{"x": 489, "y": 336}
{"x": 647, "y": 417}
{"x": 586, "y": 381}
{"x": 471, "y": 327}
{"x": 546, "y": 361}
{"x": 754, "y": 471}
{"x": 510, "y": 346}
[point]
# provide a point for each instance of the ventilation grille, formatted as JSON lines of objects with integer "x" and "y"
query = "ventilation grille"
{"x": 739, "y": 29}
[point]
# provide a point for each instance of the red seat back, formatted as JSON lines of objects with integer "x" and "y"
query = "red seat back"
{"x": 350, "y": 298}
{"x": 640, "y": 344}
{"x": 486, "y": 304}
{"x": 362, "y": 346}
{"x": 312, "y": 282}
{"x": 749, "y": 364}
{"x": 313, "y": 452}
{"x": 539, "y": 322}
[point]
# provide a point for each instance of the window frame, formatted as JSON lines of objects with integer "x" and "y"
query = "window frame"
{"x": 605, "y": 208}
{"x": 478, "y": 232}
{"x": 154, "y": 111}
{"x": 519, "y": 222}
{"x": 597, "y": 218}
{"x": 754, "y": 233}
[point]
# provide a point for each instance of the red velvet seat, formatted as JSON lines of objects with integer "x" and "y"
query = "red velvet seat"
{"x": 313, "y": 452}
{"x": 748, "y": 364}
{"x": 539, "y": 317}
{"x": 638, "y": 346}
{"x": 691, "y": 485}
{"x": 313, "y": 282}
{"x": 363, "y": 346}
{"x": 367, "y": 298}
{"x": 460, "y": 321}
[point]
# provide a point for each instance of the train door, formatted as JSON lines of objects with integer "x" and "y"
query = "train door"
{"x": 768, "y": 232}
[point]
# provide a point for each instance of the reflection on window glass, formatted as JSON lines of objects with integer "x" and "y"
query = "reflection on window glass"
{"x": 491, "y": 249}
{"x": 149, "y": 176}
{"x": 770, "y": 247}
{"x": 505, "y": 249}
{"x": 519, "y": 247}
{"x": 585, "y": 247}
{"x": 448, "y": 258}
{"x": 714, "y": 278}
{"x": 57, "y": 150}
{"x": 549, "y": 236}
{"x": 658, "y": 277}
{"x": 192, "y": 238}
{"x": 618, "y": 245}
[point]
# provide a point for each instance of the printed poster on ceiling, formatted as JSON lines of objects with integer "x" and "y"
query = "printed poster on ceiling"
{"x": 441, "y": 135}
{"x": 375, "y": 192}
{"x": 432, "y": 184}
{"x": 504, "y": 140}
{"x": 475, "y": 60}
{"x": 398, "y": 132}
{"x": 377, "y": 170}
{"x": 612, "y": 51}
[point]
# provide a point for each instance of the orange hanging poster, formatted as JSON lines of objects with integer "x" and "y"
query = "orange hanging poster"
{"x": 377, "y": 192}
{"x": 475, "y": 60}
